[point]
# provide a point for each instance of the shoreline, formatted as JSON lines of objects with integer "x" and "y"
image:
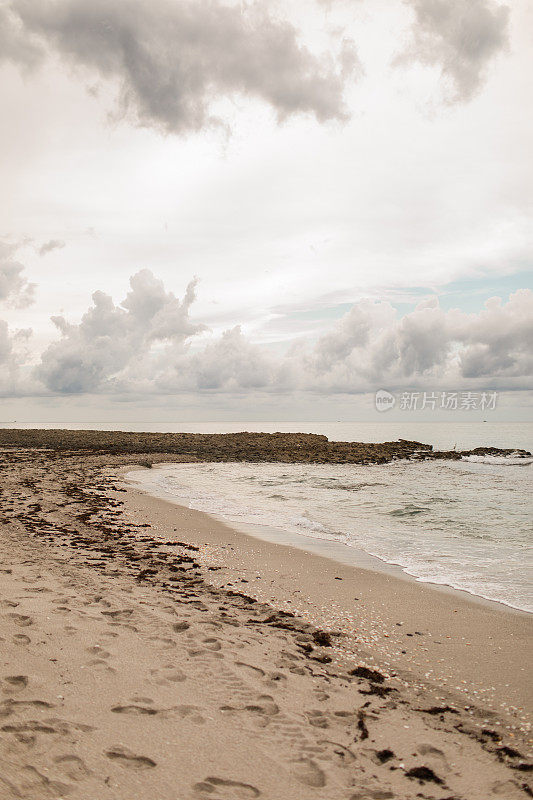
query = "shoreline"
{"x": 478, "y": 634}
{"x": 149, "y": 650}
{"x": 339, "y": 552}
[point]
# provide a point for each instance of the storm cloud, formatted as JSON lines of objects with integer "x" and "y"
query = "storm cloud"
{"x": 461, "y": 37}
{"x": 172, "y": 60}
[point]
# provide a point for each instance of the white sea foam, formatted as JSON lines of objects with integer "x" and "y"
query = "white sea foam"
{"x": 504, "y": 461}
{"x": 463, "y": 523}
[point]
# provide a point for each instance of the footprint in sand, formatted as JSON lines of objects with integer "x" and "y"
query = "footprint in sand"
{"x": 433, "y": 753}
{"x": 264, "y": 705}
{"x": 190, "y": 712}
{"x": 99, "y": 665}
{"x": 337, "y": 753}
{"x": 11, "y": 684}
{"x": 167, "y": 674}
{"x": 22, "y": 620}
{"x": 96, "y": 650}
{"x": 272, "y": 679}
{"x": 10, "y": 706}
{"x": 70, "y": 629}
{"x": 317, "y": 719}
{"x": 308, "y": 772}
{"x": 73, "y": 767}
{"x": 135, "y": 710}
{"x": 21, "y": 638}
{"x": 24, "y": 731}
{"x": 504, "y": 789}
{"x": 122, "y": 615}
{"x": 126, "y": 758}
{"x": 212, "y": 644}
{"x": 163, "y": 643}
{"x": 109, "y": 635}
{"x": 260, "y": 713}
{"x": 225, "y": 789}
{"x": 35, "y": 784}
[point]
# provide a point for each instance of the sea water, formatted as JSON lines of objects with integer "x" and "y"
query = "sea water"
{"x": 466, "y": 524}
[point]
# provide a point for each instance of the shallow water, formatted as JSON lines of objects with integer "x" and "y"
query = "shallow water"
{"x": 464, "y": 523}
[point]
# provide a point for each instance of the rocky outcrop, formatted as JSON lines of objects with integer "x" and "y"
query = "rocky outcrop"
{"x": 245, "y": 446}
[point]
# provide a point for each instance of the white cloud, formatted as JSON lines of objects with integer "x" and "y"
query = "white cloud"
{"x": 14, "y": 355}
{"x": 499, "y": 340}
{"x": 111, "y": 340}
{"x": 112, "y": 349}
{"x": 172, "y": 60}
{"x": 371, "y": 347}
{"x": 230, "y": 363}
{"x": 15, "y": 289}
{"x": 460, "y": 37}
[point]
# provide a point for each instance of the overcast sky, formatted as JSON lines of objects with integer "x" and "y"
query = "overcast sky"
{"x": 238, "y": 208}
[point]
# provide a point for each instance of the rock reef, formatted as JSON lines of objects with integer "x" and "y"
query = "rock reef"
{"x": 245, "y": 446}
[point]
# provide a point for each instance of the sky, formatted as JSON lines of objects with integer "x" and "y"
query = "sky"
{"x": 214, "y": 209}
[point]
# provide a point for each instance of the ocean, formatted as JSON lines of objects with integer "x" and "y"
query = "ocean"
{"x": 465, "y": 524}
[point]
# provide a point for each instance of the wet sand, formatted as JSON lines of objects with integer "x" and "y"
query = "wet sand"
{"x": 150, "y": 651}
{"x": 452, "y": 638}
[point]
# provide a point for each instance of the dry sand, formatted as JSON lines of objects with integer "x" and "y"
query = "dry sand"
{"x": 148, "y": 651}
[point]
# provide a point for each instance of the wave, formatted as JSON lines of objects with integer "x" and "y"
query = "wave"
{"x": 505, "y": 461}
{"x": 446, "y": 523}
{"x": 311, "y": 525}
{"x": 408, "y": 511}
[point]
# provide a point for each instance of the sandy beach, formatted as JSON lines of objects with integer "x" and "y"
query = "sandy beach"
{"x": 149, "y": 650}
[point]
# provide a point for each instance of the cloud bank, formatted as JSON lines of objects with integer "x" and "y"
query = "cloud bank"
{"x": 173, "y": 58}
{"x": 459, "y": 36}
{"x": 143, "y": 346}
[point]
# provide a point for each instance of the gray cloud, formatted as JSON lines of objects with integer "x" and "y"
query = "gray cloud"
{"x": 15, "y": 43}
{"x": 229, "y": 364}
{"x": 52, "y": 244}
{"x": 5, "y": 342}
{"x": 371, "y": 346}
{"x": 142, "y": 346}
{"x": 14, "y": 355}
{"x": 459, "y": 36}
{"x": 15, "y": 289}
{"x": 499, "y": 341}
{"x": 173, "y": 59}
{"x": 112, "y": 341}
